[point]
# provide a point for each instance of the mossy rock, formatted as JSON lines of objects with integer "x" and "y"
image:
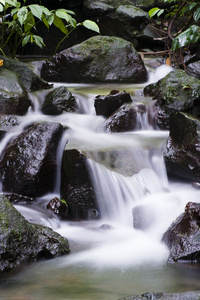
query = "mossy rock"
{"x": 22, "y": 242}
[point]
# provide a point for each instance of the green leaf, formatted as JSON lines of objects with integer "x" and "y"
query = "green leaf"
{"x": 188, "y": 7}
{"x": 191, "y": 35}
{"x": 91, "y": 25}
{"x": 196, "y": 14}
{"x": 59, "y": 24}
{"x": 2, "y": 2}
{"x": 22, "y": 14}
{"x": 153, "y": 11}
{"x": 160, "y": 12}
{"x": 1, "y": 7}
{"x": 29, "y": 23}
{"x": 36, "y": 10}
{"x": 25, "y": 40}
{"x": 38, "y": 40}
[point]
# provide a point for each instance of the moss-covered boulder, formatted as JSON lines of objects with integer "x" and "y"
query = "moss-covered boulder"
{"x": 22, "y": 242}
{"x": 98, "y": 59}
{"x": 175, "y": 92}
{"x": 182, "y": 149}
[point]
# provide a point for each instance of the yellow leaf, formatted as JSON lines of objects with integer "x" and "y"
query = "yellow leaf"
{"x": 1, "y": 62}
{"x": 168, "y": 61}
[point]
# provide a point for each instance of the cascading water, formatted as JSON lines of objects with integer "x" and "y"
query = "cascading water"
{"x": 120, "y": 253}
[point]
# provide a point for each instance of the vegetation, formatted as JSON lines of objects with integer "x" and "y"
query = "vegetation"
{"x": 182, "y": 28}
{"x": 18, "y": 24}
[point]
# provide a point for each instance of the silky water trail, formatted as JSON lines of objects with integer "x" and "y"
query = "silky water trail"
{"x": 109, "y": 258}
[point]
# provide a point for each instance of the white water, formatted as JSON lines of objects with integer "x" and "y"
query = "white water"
{"x": 111, "y": 243}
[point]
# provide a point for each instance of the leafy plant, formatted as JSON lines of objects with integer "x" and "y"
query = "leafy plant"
{"x": 18, "y": 24}
{"x": 190, "y": 32}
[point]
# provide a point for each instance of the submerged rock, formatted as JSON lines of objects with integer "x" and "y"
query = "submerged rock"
{"x": 165, "y": 296}
{"x": 98, "y": 59}
{"x": 22, "y": 242}
{"x": 28, "y": 165}
{"x": 182, "y": 150}
{"x": 107, "y": 105}
{"x": 183, "y": 236}
{"x": 77, "y": 188}
{"x": 175, "y": 92}
{"x": 58, "y": 101}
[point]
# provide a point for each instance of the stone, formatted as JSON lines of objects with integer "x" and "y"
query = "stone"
{"x": 22, "y": 242}
{"x": 98, "y": 59}
{"x": 107, "y": 105}
{"x": 28, "y": 165}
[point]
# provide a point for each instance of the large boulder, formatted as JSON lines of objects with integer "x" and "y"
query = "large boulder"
{"x": 98, "y": 59}
{"x": 22, "y": 242}
{"x": 175, "y": 92}
{"x": 28, "y": 165}
{"x": 182, "y": 150}
{"x": 183, "y": 236}
{"x": 77, "y": 188}
{"x": 118, "y": 18}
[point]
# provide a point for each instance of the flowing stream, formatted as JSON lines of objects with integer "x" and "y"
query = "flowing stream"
{"x": 109, "y": 258}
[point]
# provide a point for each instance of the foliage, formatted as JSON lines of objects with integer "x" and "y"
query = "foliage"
{"x": 18, "y": 23}
{"x": 188, "y": 9}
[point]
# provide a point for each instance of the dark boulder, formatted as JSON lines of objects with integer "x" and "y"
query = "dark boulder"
{"x": 58, "y": 101}
{"x": 59, "y": 207}
{"x": 22, "y": 242}
{"x": 193, "y": 69}
{"x": 175, "y": 92}
{"x": 116, "y": 18}
{"x": 28, "y": 165}
{"x": 183, "y": 236}
{"x": 29, "y": 80}
{"x": 77, "y": 188}
{"x": 13, "y": 96}
{"x": 124, "y": 119}
{"x": 98, "y": 59}
{"x": 182, "y": 150}
{"x": 16, "y": 198}
{"x": 107, "y": 105}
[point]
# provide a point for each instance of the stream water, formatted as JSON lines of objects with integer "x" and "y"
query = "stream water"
{"x": 109, "y": 259}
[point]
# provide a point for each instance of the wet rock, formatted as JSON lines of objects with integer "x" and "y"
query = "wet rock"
{"x": 148, "y": 4}
{"x": 22, "y": 242}
{"x": 76, "y": 187}
{"x": 175, "y": 92}
{"x": 98, "y": 59}
{"x": 193, "y": 69}
{"x": 107, "y": 105}
{"x": 13, "y": 96}
{"x": 28, "y": 164}
{"x": 165, "y": 296}
{"x": 29, "y": 80}
{"x": 116, "y": 18}
{"x": 16, "y": 198}
{"x": 59, "y": 207}
{"x": 124, "y": 119}
{"x": 182, "y": 150}
{"x": 58, "y": 101}
{"x": 8, "y": 121}
{"x": 183, "y": 236}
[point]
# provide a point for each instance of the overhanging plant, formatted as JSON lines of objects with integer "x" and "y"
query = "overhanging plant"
{"x": 18, "y": 24}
